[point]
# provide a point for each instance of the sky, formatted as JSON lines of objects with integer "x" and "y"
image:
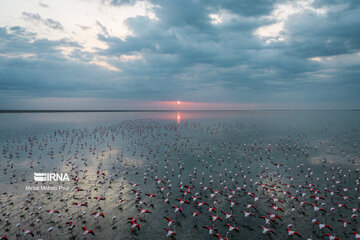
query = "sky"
{"x": 210, "y": 54}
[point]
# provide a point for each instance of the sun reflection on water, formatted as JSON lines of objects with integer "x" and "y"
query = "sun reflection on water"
{"x": 178, "y": 117}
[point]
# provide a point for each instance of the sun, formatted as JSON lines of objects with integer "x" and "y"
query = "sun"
{"x": 178, "y": 102}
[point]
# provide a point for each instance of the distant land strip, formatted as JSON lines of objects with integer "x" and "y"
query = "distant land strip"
{"x": 70, "y": 111}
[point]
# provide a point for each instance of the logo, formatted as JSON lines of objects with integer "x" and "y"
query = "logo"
{"x": 47, "y": 177}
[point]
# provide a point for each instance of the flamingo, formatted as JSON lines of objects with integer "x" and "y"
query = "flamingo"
{"x": 96, "y": 215}
{"x": 227, "y": 215}
{"x": 231, "y": 228}
{"x": 272, "y": 215}
{"x": 331, "y": 237}
{"x": 214, "y": 218}
{"x": 134, "y": 225}
{"x": 202, "y": 203}
{"x": 276, "y": 208}
{"x": 356, "y": 235}
{"x": 317, "y": 198}
{"x": 86, "y": 232}
{"x": 181, "y": 202}
{"x": 169, "y": 221}
{"x": 195, "y": 214}
{"x": 267, "y": 230}
{"x": 321, "y": 226}
{"x": 211, "y": 230}
{"x": 71, "y": 225}
{"x": 142, "y": 211}
{"x": 80, "y": 204}
{"x": 170, "y": 233}
{"x": 177, "y": 209}
{"x": 292, "y": 233}
{"x": 50, "y": 229}
{"x": 345, "y": 223}
{"x": 28, "y": 232}
{"x": 51, "y": 212}
{"x": 247, "y": 214}
{"x": 219, "y": 237}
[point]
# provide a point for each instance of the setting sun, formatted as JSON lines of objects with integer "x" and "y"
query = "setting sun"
{"x": 178, "y": 102}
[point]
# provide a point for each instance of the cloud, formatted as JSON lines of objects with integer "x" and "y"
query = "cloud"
{"x": 120, "y": 2}
{"x": 35, "y": 17}
{"x": 47, "y": 72}
{"x": 103, "y": 28}
{"x": 335, "y": 33}
{"x": 43, "y": 5}
{"x": 84, "y": 28}
{"x": 204, "y": 51}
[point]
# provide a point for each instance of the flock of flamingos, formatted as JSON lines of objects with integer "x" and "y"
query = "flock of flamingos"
{"x": 147, "y": 179}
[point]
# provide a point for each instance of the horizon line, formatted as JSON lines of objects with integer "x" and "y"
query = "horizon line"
{"x": 166, "y": 110}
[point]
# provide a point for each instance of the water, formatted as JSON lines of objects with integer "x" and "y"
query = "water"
{"x": 254, "y": 153}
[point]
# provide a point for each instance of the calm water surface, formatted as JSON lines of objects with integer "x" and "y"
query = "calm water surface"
{"x": 117, "y": 157}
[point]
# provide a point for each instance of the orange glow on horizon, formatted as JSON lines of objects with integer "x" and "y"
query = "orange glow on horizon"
{"x": 175, "y": 105}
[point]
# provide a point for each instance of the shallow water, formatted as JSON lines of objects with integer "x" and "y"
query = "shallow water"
{"x": 219, "y": 149}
